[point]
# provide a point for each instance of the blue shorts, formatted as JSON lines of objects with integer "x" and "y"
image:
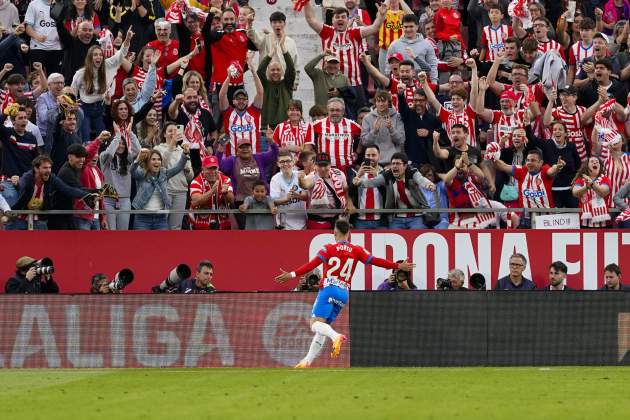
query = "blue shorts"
{"x": 330, "y": 301}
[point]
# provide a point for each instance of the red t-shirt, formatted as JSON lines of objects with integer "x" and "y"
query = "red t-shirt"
{"x": 170, "y": 51}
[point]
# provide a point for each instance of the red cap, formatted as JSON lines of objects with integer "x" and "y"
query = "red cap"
{"x": 398, "y": 56}
{"x": 210, "y": 162}
{"x": 509, "y": 94}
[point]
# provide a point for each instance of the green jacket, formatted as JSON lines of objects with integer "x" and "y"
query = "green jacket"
{"x": 277, "y": 94}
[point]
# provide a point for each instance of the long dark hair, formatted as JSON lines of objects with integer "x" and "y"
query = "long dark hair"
{"x": 89, "y": 11}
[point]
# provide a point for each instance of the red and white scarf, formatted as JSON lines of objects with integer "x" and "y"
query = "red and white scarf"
{"x": 625, "y": 215}
{"x": 106, "y": 41}
{"x": 607, "y": 131}
{"x": 594, "y": 209}
{"x": 478, "y": 200}
{"x": 174, "y": 13}
{"x": 202, "y": 221}
{"x": 193, "y": 133}
{"x": 319, "y": 193}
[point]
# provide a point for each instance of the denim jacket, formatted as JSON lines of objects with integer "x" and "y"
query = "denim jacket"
{"x": 146, "y": 185}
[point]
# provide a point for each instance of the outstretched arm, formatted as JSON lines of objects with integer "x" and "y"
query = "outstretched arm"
{"x": 309, "y": 266}
{"x": 309, "y": 15}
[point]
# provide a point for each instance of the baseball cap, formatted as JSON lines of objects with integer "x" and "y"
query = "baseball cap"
{"x": 240, "y": 92}
{"x": 210, "y": 162}
{"x": 569, "y": 90}
{"x": 322, "y": 159}
{"x": 77, "y": 150}
{"x": 395, "y": 56}
{"x": 24, "y": 262}
{"x": 330, "y": 58}
{"x": 243, "y": 142}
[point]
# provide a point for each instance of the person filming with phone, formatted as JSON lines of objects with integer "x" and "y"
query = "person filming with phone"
{"x": 177, "y": 187}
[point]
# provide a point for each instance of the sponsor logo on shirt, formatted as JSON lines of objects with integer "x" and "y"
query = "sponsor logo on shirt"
{"x": 242, "y": 128}
{"x": 533, "y": 194}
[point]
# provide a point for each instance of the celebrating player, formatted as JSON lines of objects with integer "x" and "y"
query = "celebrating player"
{"x": 340, "y": 259}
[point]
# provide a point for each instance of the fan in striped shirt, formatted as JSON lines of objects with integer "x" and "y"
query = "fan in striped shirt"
{"x": 346, "y": 42}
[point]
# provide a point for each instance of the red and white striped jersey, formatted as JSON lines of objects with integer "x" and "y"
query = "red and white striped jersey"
{"x": 362, "y": 19}
{"x": 287, "y": 135}
{"x": 534, "y": 189}
{"x": 504, "y": 125}
{"x": 336, "y": 139}
{"x": 139, "y": 74}
{"x": 347, "y": 45}
{"x": 7, "y": 99}
{"x": 467, "y": 118}
{"x": 493, "y": 39}
{"x": 409, "y": 91}
{"x": 578, "y": 53}
{"x": 543, "y": 47}
{"x": 242, "y": 126}
{"x": 618, "y": 172}
{"x": 575, "y": 130}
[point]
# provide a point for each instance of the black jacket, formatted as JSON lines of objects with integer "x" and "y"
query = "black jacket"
{"x": 419, "y": 149}
{"x": 74, "y": 51}
{"x": 19, "y": 284}
{"x": 72, "y": 177}
{"x": 189, "y": 286}
{"x": 54, "y": 186}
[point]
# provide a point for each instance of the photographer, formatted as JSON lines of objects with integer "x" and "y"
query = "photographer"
{"x": 32, "y": 277}
{"x": 454, "y": 281}
{"x": 202, "y": 283}
{"x": 309, "y": 282}
{"x": 397, "y": 280}
{"x": 100, "y": 285}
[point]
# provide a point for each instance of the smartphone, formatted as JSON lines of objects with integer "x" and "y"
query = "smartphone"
{"x": 180, "y": 129}
{"x": 224, "y": 140}
{"x": 198, "y": 44}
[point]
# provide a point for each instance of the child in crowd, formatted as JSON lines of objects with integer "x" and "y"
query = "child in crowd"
{"x": 448, "y": 23}
{"x": 259, "y": 200}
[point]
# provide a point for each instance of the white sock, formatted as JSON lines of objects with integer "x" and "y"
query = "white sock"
{"x": 324, "y": 329}
{"x": 315, "y": 349}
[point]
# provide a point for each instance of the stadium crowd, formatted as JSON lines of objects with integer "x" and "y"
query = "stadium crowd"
{"x": 139, "y": 104}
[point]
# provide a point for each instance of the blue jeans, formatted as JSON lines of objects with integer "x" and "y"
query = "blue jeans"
{"x": 86, "y": 224}
{"x": 150, "y": 222}
{"x": 92, "y": 120}
{"x": 624, "y": 225}
{"x": 368, "y": 224}
{"x": 19, "y": 224}
{"x": 118, "y": 221}
{"x": 10, "y": 193}
{"x": 415, "y": 222}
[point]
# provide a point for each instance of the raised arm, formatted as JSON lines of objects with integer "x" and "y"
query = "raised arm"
{"x": 260, "y": 91}
{"x": 437, "y": 150}
{"x": 223, "y": 98}
{"x": 374, "y": 72}
{"x": 311, "y": 20}
{"x": 495, "y": 86}
{"x": 422, "y": 77}
{"x": 373, "y": 29}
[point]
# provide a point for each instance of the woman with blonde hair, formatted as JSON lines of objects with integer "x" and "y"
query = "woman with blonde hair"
{"x": 94, "y": 82}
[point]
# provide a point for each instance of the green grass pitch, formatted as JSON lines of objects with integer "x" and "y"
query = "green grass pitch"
{"x": 377, "y": 393}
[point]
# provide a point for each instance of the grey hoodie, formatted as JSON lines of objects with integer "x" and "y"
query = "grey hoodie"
{"x": 423, "y": 50}
{"x": 8, "y": 15}
{"x": 388, "y": 142}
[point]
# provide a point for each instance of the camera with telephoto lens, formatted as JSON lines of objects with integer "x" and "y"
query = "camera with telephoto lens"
{"x": 171, "y": 282}
{"x": 309, "y": 282}
{"x": 44, "y": 266}
{"x": 443, "y": 284}
{"x": 121, "y": 280}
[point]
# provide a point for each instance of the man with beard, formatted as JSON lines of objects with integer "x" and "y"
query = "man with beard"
{"x": 64, "y": 135}
{"x": 37, "y": 188}
{"x": 336, "y": 135}
{"x": 345, "y": 41}
{"x": 211, "y": 189}
{"x": 199, "y": 127}
{"x": 557, "y": 276}
{"x": 241, "y": 121}
{"x": 402, "y": 191}
{"x": 406, "y": 78}
{"x": 460, "y": 145}
{"x": 19, "y": 148}
{"x": 70, "y": 173}
{"x": 419, "y": 124}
